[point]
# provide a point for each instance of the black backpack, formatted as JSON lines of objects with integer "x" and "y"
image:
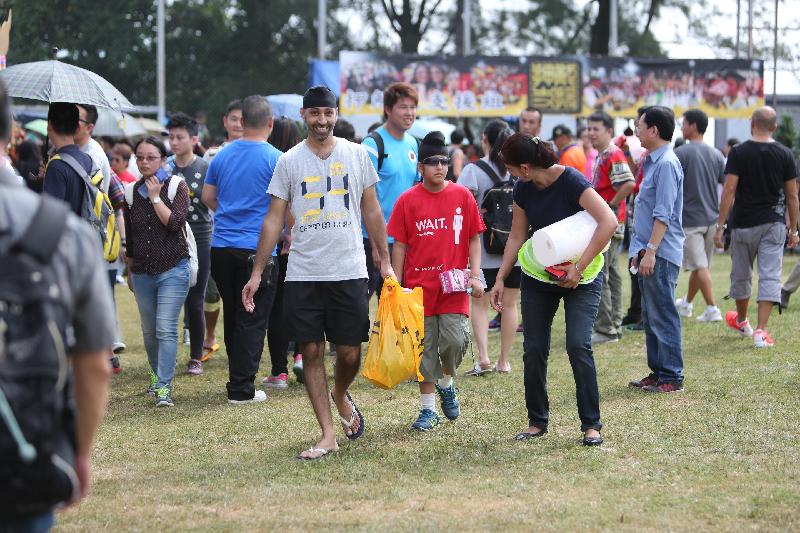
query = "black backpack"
{"x": 375, "y": 136}
{"x": 497, "y": 209}
{"x": 37, "y": 423}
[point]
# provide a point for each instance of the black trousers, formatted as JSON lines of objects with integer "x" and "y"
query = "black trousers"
{"x": 277, "y": 335}
{"x": 244, "y": 332}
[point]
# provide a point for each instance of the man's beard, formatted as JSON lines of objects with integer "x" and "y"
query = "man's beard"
{"x": 321, "y": 136}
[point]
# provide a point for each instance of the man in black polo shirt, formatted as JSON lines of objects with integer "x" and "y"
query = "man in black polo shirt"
{"x": 60, "y": 180}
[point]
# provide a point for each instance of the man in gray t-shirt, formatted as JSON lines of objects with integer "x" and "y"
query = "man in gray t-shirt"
{"x": 78, "y": 271}
{"x": 330, "y": 185}
{"x": 703, "y": 169}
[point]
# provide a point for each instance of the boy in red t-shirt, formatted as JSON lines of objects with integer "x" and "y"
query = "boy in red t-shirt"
{"x": 436, "y": 226}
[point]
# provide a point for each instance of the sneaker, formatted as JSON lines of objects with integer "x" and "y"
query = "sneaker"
{"x": 426, "y": 420}
{"x": 629, "y": 320}
{"x": 118, "y": 347}
{"x": 494, "y": 324}
{"x": 115, "y": 366}
{"x": 520, "y": 329}
{"x": 120, "y": 280}
{"x": 195, "y": 368}
{"x": 711, "y": 314}
{"x": 638, "y": 326}
{"x": 761, "y": 339}
{"x": 258, "y": 397}
{"x": 297, "y": 368}
{"x": 451, "y": 407}
{"x": 646, "y": 381}
{"x": 599, "y": 338}
{"x": 151, "y": 389}
{"x": 281, "y": 381}
{"x": 186, "y": 337}
{"x": 664, "y": 388}
{"x": 164, "y": 397}
{"x": 743, "y": 328}
{"x": 684, "y": 308}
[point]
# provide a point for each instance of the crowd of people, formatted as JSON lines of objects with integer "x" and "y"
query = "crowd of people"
{"x": 293, "y": 236}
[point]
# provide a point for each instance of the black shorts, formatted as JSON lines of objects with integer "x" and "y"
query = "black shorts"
{"x": 336, "y": 311}
{"x": 512, "y": 280}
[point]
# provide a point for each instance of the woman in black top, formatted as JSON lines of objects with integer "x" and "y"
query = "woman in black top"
{"x": 158, "y": 261}
{"x": 544, "y": 194}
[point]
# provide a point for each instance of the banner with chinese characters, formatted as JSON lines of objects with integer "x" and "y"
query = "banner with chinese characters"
{"x": 447, "y": 86}
{"x": 723, "y": 88}
{"x": 555, "y": 85}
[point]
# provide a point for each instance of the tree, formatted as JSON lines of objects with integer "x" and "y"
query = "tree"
{"x": 787, "y": 135}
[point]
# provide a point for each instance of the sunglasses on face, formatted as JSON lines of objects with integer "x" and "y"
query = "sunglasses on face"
{"x": 437, "y": 161}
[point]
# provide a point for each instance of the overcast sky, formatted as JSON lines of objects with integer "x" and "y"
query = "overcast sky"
{"x": 671, "y": 31}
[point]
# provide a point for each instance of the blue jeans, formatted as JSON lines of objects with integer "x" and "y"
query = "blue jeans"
{"x": 662, "y": 324}
{"x": 539, "y": 305}
{"x": 40, "y": 523}
{"x": 160, "y": 299}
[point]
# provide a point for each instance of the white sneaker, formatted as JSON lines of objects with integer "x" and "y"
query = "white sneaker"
{"x": 118, "y": 347}
{"x": 258, "y": 397}
{"x": 684, "y": 308}
{"x": 761, "y": 339}
{"x": 711, "y": 314}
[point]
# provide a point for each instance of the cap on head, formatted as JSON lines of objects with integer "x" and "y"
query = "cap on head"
{"x": 561, "y": 130}
{"x": 433, "y": 144}
{"x": 319, "y": 96}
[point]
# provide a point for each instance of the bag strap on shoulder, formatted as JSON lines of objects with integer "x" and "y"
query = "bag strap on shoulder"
{"x": 172, "y": 188}
{"x": 489, "y": 171}
{"x": 77, "y": 167}
{"x": 375, "y": 136}
{"x": 42, "y": 235}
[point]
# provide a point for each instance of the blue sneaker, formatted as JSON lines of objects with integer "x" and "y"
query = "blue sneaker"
{"x": 426, "y": 420}
{"x": 450, "y": 405}
{"x": 494, "y": 324}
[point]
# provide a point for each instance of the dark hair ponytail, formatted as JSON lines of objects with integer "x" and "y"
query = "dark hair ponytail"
{"x": 496, "y": 132}
{"x": 521, "y": 148}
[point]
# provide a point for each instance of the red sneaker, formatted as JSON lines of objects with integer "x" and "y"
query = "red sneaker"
{"x": 743, "y": 328}
{"x": 761, "y": 339}
{"x": 646, "y": 381}
{"x": 664, "y": 388}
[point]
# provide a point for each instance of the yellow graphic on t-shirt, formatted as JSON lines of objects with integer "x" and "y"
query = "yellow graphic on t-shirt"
{"x": 337, "y": 184}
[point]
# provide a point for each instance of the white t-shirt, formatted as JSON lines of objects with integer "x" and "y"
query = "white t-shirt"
{"x": 325, "y": 200}
{"x": 95, "y": 151}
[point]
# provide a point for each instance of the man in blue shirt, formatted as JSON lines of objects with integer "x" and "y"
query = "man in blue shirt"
{"x": 236, "y": 189}
{"x": 397, "y": 169}
{"x": 60, "y": 180}
{"x": 656, "y": 249}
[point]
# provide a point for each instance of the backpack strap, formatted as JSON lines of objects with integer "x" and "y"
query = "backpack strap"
{"x": 172, "y": 188}
{"x": 77, "y": 167}
{"x": 128, "y": 187}
{"x": 375, "y": 136}
{"x": 42, "y": 235}
{"x": 488, "y": 170}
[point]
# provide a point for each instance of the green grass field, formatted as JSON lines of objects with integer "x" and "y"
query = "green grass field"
{"x": 722, "y": 455}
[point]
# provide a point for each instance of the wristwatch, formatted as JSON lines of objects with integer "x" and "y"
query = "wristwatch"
{"x": 718, "y": 227}
{"x": 793, "y": 233}
{"x": 652, "y": 247}
{"x": 156, "y": 200}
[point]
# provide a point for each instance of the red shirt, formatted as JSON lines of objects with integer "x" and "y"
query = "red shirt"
{"x": 436, "y": 228}
{"x": 126, "y": 177}
{"x": 610, "y": 171}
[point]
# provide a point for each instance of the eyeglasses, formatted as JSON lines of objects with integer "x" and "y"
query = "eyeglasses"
{"x": 149, "y": 158}
{"x": 437, "y": 161}
{"x": 84, "y": 121}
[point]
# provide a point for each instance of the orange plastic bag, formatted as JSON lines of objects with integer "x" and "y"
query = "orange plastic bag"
{"x": 397, "y": 338}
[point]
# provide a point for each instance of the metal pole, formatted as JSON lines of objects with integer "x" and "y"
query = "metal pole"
{"x": 749, "y": 29}
{"x": 160, "y": 64}
{"x": 775, "y": 61}
{"x": 467, "y": 18}
{"x": 738, "y": 24}
{"x": 321, "y": 30}
{"x": 613, "y": 37}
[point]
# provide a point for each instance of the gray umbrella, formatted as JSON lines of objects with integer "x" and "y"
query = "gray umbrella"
{"x": 117, "y": 124}
{"x": 54, "y": 81}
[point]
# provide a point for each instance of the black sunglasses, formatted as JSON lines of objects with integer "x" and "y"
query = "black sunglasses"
{"x": 437, "y": 161}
